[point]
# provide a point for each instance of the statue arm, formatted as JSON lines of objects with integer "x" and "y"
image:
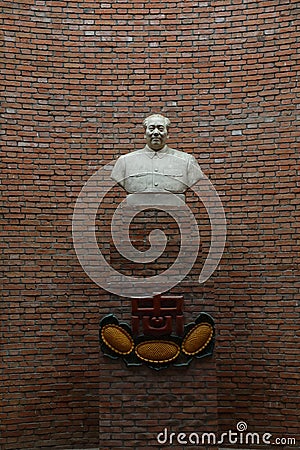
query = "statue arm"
{"x": 118, "y": 173}
{"x": 194, "y": 171}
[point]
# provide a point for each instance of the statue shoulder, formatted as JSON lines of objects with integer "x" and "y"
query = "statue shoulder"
{"x": 133, "y": 154}
{"x": 180, "y": 154}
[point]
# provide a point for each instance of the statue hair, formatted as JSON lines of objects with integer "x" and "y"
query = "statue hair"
{"x": 167, "y": 122}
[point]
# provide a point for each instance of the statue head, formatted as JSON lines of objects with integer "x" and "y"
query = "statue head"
{"x": 156, "y": 131}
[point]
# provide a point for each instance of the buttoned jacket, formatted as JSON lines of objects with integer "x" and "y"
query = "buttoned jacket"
{"x": 166, "y": 170}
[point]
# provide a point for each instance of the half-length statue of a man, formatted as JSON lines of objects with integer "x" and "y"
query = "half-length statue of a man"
{"x": 156, "y": 167}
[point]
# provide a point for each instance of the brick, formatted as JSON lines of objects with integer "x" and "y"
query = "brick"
{"x": 79, "y": 78}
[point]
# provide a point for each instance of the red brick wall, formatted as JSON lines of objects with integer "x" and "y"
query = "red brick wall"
{"x": 78, "y": 80}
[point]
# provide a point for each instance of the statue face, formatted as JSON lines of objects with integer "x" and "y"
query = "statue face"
{"x": 156, "y": 133}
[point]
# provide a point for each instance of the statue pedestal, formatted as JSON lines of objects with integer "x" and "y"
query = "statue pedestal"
{"x": 140, "y": 407}
{"x": 138, "y": 404}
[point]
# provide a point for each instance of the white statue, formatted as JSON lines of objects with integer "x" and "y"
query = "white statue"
{"x": 156, "y": 167}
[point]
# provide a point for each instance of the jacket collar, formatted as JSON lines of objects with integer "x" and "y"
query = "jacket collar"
{"x": 159, "y": 153}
